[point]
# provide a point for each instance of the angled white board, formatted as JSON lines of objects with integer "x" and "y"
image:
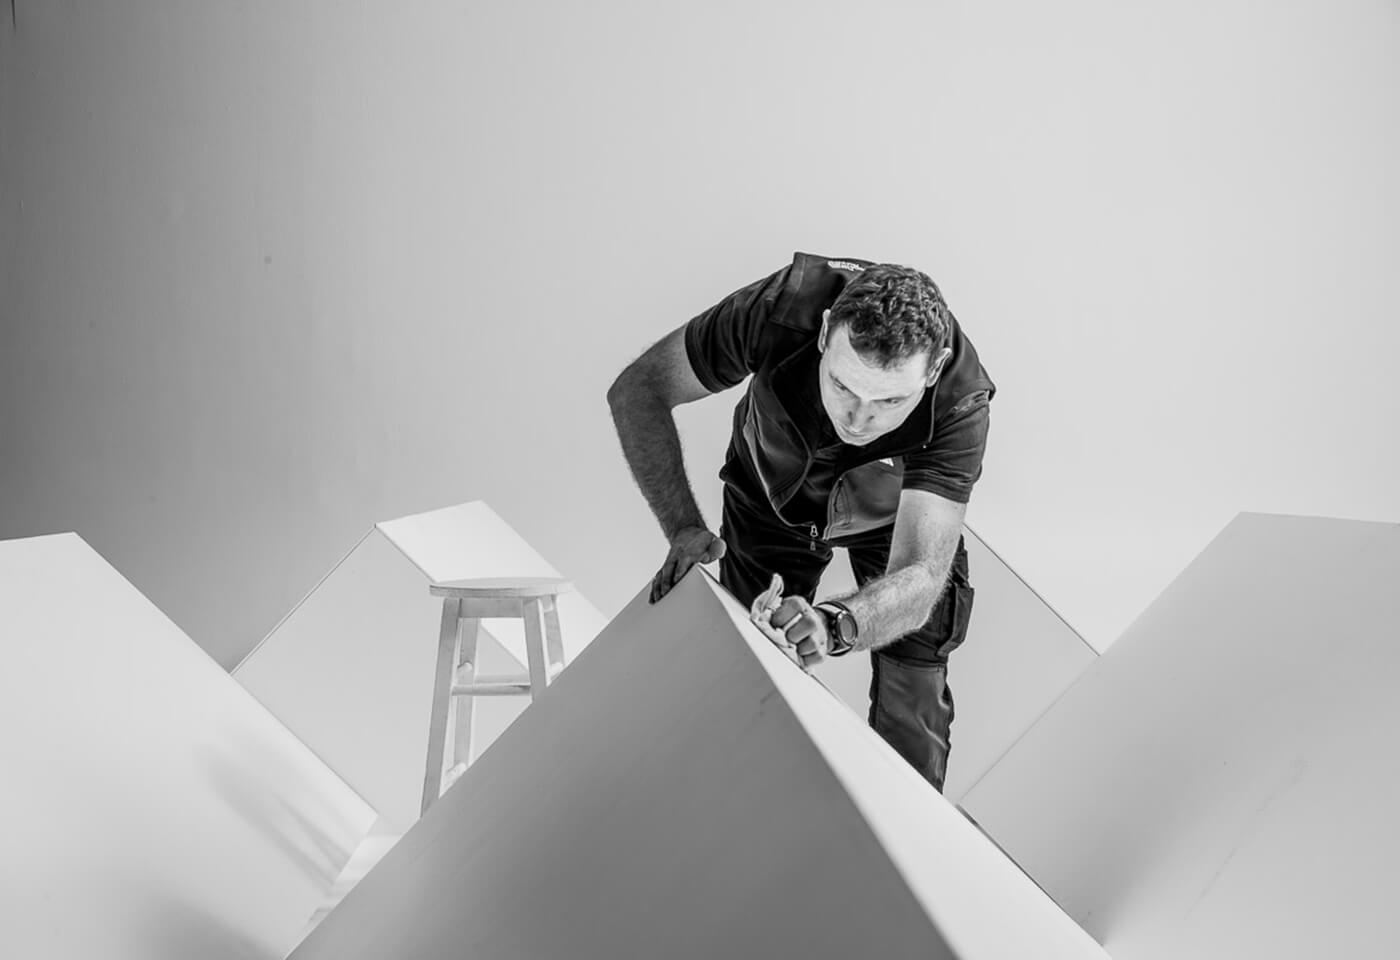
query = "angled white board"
{"x": 684, "y": 791}
{"x": 153, "y": 809}
{"x": 350, "y": 669}
{"x": 1018, "y": 657}
{"x": 1223, "y": 782}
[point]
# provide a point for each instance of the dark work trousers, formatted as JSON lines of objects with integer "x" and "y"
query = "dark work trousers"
{"x": 911, "y": 705}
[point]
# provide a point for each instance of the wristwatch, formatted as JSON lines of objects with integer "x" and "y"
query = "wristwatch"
{"x": 840, "y": 625}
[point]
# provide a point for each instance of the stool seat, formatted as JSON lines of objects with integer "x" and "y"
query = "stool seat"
{"x": 500, "y": 587}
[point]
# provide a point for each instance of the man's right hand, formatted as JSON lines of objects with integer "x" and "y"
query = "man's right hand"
{"x": 690, "y": 545}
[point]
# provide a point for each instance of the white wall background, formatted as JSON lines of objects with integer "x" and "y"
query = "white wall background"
{"x": 270, "y": 272}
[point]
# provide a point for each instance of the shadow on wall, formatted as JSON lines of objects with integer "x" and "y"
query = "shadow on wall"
{"x": 179, "y": 929}
{"x": 315, "y": 835}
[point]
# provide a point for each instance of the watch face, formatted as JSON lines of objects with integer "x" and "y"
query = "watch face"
{"x": 841, "y": 624}
{"x": 846, "y": 624}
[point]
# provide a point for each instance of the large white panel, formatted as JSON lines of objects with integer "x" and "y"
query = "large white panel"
{"x": 1018, "y": 657}
{"x": 350, "y": 669}
{"x": 153, "y": 810}
{"x": 685, "y": 791}
{"x": 1222, "y": 782}
{"x": 469, "y": 540}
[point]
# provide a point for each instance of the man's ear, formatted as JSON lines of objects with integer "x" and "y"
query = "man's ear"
{"x": 821, "y": 337}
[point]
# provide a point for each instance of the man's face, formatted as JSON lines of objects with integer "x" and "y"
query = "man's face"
{"x": 864, "y": 400}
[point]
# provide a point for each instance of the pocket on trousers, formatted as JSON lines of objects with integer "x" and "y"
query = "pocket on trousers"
{"x": 958, "y": 614}
{"x": 912, "y": 709}
{"x": 904, "y": 694}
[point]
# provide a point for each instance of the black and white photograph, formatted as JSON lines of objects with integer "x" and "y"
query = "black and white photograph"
{"x": 619, "y": 479}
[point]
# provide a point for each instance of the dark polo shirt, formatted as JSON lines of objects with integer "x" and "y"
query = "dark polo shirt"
{"x": 784, "y": 449}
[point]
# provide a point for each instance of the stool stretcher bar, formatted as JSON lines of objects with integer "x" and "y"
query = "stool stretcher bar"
{"x": 493, "y": 687}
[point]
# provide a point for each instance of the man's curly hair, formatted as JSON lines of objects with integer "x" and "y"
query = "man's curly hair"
{"x": 894, "y": 313}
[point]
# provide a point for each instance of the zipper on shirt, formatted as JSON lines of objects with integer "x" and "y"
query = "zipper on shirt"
{"x": 812, "y": 544}
{"x": 831, "y": 503}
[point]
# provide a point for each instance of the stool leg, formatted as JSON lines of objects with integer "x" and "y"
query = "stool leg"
{"x": 553, "y": 639}
{"x": 465, "y": 707}
{"x": 534, "y": 647}
{"x": 440, "y": 733}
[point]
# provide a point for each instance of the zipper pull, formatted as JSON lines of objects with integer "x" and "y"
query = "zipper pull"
{"x": 812, "y": 547}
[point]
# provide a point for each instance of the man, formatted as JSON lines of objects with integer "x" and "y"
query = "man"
{"x": 863, "y": 426}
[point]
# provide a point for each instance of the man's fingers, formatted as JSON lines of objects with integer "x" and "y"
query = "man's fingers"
{"x": 781, "y": 619}
{"x": 790, "y": 610}
{"x": 790, "y": 621}
{"x": 679, "y": 569}
{"x": 774, "y": 635}
{"x": 685, "y": 552}
{"x": 666, "y": 576}
{"x": 668, "y": 569}
{"x": 780, "y": 640}
{"x": 793, "y": 618}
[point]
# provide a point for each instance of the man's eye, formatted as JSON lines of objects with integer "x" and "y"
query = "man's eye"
{"x": 894, "y": 402}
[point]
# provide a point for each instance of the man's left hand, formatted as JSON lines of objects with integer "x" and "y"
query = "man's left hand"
{"x": 792, "y": 624}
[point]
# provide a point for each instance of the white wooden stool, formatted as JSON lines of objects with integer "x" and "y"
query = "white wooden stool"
{"x": 464, "y": 604}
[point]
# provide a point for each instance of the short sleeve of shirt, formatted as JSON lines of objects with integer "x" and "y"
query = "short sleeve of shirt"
{"x": 952, "y": 462}
{"x": 724, "y": 344}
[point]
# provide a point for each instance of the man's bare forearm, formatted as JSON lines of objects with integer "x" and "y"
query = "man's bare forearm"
{"x": 652, "y": 447}
{"x": 895, "y": 605}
